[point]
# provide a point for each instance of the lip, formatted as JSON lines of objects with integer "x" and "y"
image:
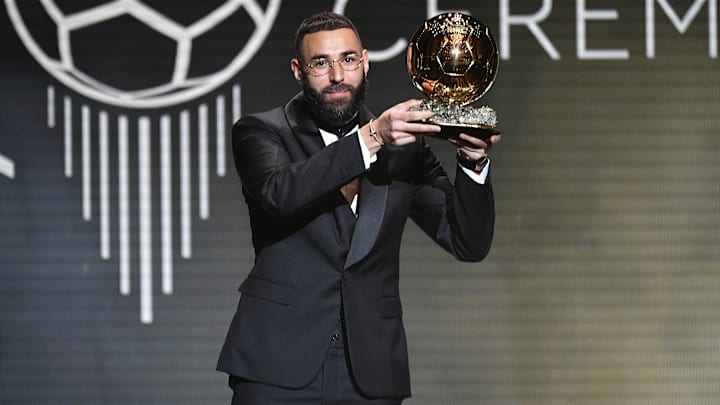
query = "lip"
{"x": 338, "y": 94}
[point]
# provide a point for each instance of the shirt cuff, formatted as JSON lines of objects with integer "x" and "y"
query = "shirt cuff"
{"x": 368, "y": 158}
{"x": 479, "y": 178}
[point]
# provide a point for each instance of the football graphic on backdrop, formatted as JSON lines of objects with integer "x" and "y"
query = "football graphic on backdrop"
{"x": 87, "y": 47}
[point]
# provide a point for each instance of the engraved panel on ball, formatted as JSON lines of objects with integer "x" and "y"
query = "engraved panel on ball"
{"x": 453, "y": 59}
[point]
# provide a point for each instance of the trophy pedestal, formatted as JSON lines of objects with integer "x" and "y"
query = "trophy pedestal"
{"x": 452, "y": 131}
{"x": 455, "y": 118}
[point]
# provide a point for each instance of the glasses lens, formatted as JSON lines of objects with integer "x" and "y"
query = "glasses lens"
{"x": 319, "y": 67}
{"x": 323, "y": 67}
{"x": 349, "y": 64}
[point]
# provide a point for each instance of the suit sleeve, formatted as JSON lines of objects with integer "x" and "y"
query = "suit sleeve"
{"x": 460, "y": 217}
{"x": 285, "y": 185}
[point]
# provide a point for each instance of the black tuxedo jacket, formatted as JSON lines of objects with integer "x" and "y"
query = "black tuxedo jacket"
{"x": 314, "y": 259}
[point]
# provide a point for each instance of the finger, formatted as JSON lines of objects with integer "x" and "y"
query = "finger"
{"x": 410, "y": 116}
{"x": 403, "y": 138}
{"x": 496, "y": 138}
{"x": 408, "y": 103}
{"x": 474, "y": 142}
{"x": 473, "y": 152}
{"x": 414, "y": 127}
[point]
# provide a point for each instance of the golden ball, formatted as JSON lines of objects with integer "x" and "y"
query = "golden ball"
{"x": 453, "y": 58}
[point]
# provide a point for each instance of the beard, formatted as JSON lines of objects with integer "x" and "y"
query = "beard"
{"x": 336, "y": 113}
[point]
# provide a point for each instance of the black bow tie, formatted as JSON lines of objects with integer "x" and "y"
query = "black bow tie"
{"x": 341, "y": 130}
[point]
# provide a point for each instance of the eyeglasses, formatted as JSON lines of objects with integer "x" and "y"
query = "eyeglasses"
{"x": 321, "y": 67}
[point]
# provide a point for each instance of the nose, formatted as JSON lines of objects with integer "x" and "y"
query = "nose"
{"x": 337, "y": 74}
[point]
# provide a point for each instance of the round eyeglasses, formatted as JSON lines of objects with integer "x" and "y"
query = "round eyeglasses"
{"x": 321, "y": 67}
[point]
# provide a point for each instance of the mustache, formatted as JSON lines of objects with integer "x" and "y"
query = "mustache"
{"x": 338, "y": 87}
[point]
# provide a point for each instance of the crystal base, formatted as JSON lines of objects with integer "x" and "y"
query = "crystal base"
{"x": 454, "y": 118}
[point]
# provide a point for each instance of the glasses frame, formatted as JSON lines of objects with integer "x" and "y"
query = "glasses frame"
{"x": 312, "y": 71}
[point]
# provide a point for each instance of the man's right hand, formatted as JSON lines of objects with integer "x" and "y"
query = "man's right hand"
{"x": 399, "y": 126}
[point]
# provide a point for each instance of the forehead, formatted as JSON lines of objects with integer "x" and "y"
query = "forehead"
{"x": 330, "y": 43}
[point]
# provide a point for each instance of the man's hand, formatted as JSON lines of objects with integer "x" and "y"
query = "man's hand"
{"x": 473, "y": 149}
{"x": 399, "y": 126}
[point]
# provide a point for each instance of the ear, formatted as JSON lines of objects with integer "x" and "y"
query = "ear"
{"x": 366, "y": 60}
{"x": 296, "y": 69}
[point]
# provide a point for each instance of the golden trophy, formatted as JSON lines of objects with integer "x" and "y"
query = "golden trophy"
{"x": 453, "y": 59}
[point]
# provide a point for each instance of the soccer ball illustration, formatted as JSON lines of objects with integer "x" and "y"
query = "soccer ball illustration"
{"x": 131, "y": 54}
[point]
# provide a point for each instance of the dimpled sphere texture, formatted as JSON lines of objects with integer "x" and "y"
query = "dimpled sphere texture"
{"x": 453, "y": 58}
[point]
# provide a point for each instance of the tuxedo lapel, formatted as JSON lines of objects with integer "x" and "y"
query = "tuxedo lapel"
{"x": 371, "y": 210}
{"x": 345, "y": 222}
{"x": 371, "y": 207}
{"x": 371, "y": 199}
{"x": 306, "y": 132}
{"x": 303, "y": 127}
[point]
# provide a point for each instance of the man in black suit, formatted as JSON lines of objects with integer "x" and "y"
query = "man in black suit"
{"x": 329, "y": 189}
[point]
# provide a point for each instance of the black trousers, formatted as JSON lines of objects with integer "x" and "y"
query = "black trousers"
{"x": 334, "y": 385}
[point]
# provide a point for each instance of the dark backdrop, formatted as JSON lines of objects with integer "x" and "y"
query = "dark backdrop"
{"x": 602, "y": 285}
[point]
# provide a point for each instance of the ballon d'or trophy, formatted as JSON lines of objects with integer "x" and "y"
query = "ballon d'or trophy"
{"x": 453, "y": 59}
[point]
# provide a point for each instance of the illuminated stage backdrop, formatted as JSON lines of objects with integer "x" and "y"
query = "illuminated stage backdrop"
{"x": 124, "y": 233}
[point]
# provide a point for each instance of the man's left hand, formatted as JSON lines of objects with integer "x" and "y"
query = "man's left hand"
{"x": 472, "y": 148}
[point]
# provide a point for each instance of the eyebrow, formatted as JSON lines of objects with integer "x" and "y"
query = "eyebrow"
{"x": 326, "y": 56}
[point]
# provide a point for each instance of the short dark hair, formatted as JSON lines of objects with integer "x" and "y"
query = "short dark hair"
{"x": 324, "y": 21}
